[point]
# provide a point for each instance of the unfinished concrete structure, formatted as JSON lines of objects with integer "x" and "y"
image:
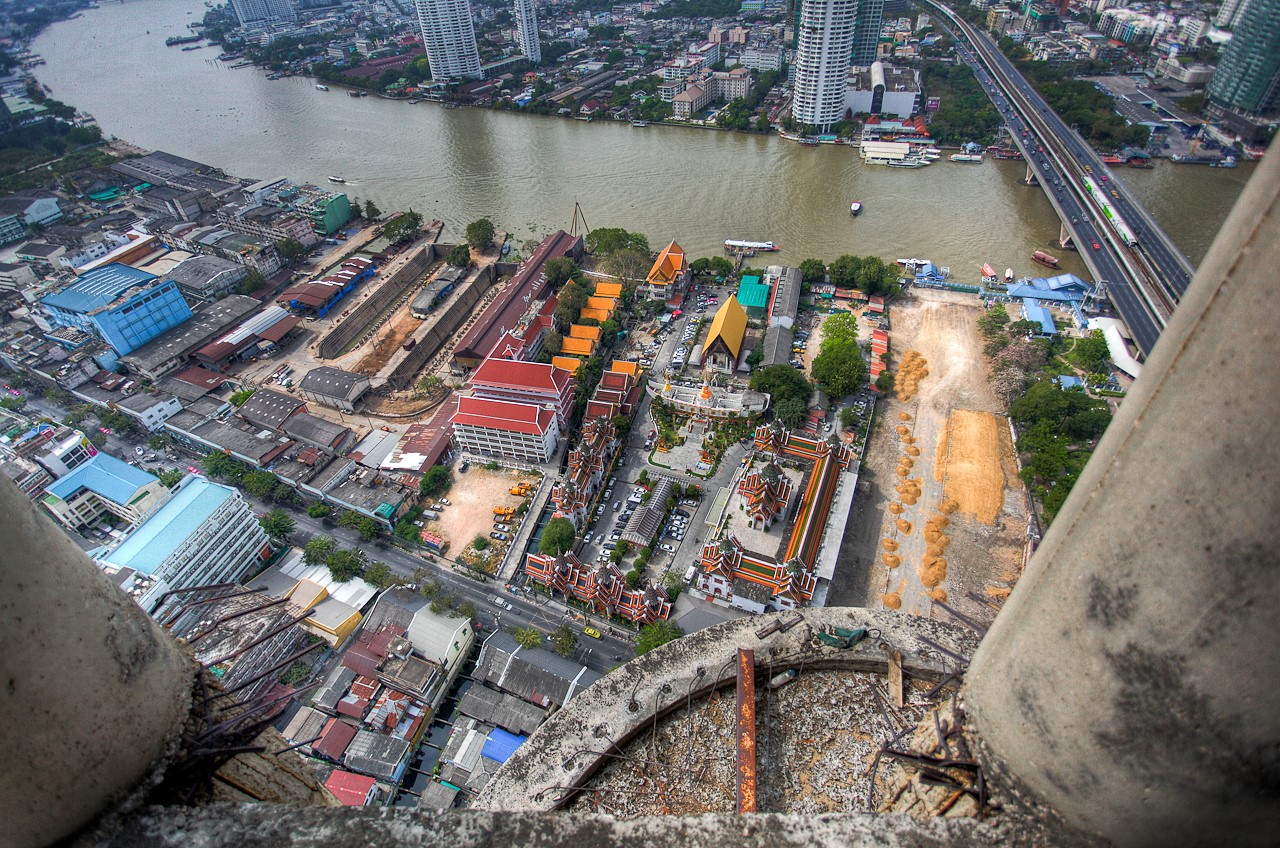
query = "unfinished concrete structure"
{"x": 1126, "y": 694}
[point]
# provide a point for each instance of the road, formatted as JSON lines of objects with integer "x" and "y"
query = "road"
{"x": 1144, "y": 279}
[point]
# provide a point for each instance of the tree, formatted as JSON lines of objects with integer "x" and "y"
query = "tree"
{"x": 557, "y": 537}
{"x": 570, "y": 302}
{"x": 628, "y": 263}
{"x": 848, "y": 418}
{"x": 1091, "y": 353}
{"x": 480, "y": 234}
{"x": 527, "y": 637}
{"x": 673, "y": 582}
{"x": 553, "y": 342}
{"x": 319, "y": 510}
{"x": 291, "y": 250}
{"x": 885, "y": 381}
{"x": 251, "y": 283}
{"x": 277, "y": 524}
{"x": 606, "y": 240}
{"x": 13, "y": 403}
{"x": 344, "y": 565}
{"x": 466, "y": 609}
{"x": 170, "y": 478}
{"x": 218, "y": 464}
{"x": 721, "y": 267}
{"x": 841, "y": 327}
{"x": 813, "y": 270}
{"x": 238, "y": 398}
{"x": 379, "y": 575}
{"x": 480, "y": 543}
{"x": 655, "y": 635}
{"x": 443, "y": 603}
{"x": 564, "y": 640}
{"x": 559, "y": 271}
{"x": 436, "y": 481}
{"x": 782, "y": 382}
{"x": 159, "y": 441}
{"x": 790, "y": 412}
{"x": 459, "y": 257}
{"x": 258, "y": 483}
{"x": 318, "y": 550}
{"x": 371, "y": 211}
{"x": 840, "y": 369}
{"x": 403, "y": 227}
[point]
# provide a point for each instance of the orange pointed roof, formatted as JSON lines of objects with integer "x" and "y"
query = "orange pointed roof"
{"x": 669, "y": 265}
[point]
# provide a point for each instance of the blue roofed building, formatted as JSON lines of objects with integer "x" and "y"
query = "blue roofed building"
{"x": 754, "y": 296}
{"x": 1033, "y": 311}
{"x": 204, "y": 534}
{"x": 103, "y": 486}
{"x": 500, "y": 745}
{"x": 1063, "y": 288}
{"x": 119, "y": 304}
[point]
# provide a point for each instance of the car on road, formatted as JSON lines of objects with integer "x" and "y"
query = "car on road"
{"x": 106, "y": 430}
{"x": 498, "y": 602}
{"x": 1102, "y": 177}
{"x": 191, "y": 469}
{"x": 1096, "y": 246}
{"x": 592, "y": 632}
{"x": 586, "y": 540}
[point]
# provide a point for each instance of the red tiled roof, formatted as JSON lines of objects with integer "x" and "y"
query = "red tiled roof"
{"x": 501, "y": 415}
{"x": 508, "y": 374}
{"x": 351, "y": 789}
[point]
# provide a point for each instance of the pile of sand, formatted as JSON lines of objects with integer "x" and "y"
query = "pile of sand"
{"x": 904, "y": 526}
{"x": 948, "y": 506}
{"x": 932, "y": 571}
{"x": 896, "y": 508}
{"x": 906, "y": 462}
{"x": 904, "y": 416}
{"x": 891, "y": 560}
{"x": 908, "y": 489}
{"x": 901, "y": 472}
{"x": 939, "y": 595}
{"x": 892, "y": 600}
{"x": 911, "y": 371}
{"x": 912, "y": 450}
{"x": 903, "y": 430}
{"x": 974, "y": 475}
{"x": 889, "y": 545}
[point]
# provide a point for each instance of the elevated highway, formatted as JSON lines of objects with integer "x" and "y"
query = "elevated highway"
{"x": 1144, "y": 273}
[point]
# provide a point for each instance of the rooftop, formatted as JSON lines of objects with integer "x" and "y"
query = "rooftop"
{"x": 98, "y": 288}
{"x": 507, "y": 373}
{"x": 161, "y": 534}
{"x": 332, "y": 382}
{"x": 267, "y": 408}
{"x": 104, "y": 475}
{"x": 501, "y": 415}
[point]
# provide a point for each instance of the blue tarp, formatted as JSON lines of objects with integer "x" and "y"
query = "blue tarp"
{"x": 501, "y": 745}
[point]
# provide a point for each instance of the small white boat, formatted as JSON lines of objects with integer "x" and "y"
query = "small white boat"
{"x": 855, "y": 207}
{"x": 320, "y": 87}
{"x": 336, "y": 180}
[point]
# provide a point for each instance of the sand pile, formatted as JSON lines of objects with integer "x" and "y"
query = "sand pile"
{"x": 908, "y": 440}
{"x": 974, "y": 474}
{"x": 932, "y": 571}
{"x": 911, "y": 371}
{"x": 896, "y": 508}
{"x": 891, "y": 560}
{"x": 901, "y": 472}
{"x": 948, "y": 506}
{"x": 904, "y": 416}
{"x": 939, "y": 595}
{"x": 889, "y": 545}
{"x": 903, "y": 430}
{"x": 904, "y": 526}
{"x": 892, "y": 600}
{"x": 906, "y": 462}
{"x": 912, "y": 450}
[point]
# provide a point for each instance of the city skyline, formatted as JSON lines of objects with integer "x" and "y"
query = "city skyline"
{"x": 527, "y": 36}
{"x": 825, "y": 46}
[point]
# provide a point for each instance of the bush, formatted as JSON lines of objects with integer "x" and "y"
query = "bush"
{"x": 480, "y": 543}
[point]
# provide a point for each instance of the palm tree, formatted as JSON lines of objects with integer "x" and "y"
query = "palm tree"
{"x": 277, "y": 524}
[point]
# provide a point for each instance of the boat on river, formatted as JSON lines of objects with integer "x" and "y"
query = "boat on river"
{"x": 336, "y": 180}
{"x": 1045, "y": 259}
{"x": 855, "y": 207}
{"x": 763, "y": 246}
{"x": 320, "y": 87}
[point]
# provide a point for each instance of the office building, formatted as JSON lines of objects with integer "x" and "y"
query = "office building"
{"x": 520, "y": 431}
{"x": 866, "y": 34}
{"x": 825, "y": 46}
{"x": 54, "y": 447}
{"x": 123, "y": 306}
{"x": 1248, "y": 78}
{"x": 103, "y": 486}
{"x": 526, "y": 15}
{"x": 450, "y": 39}
{"x": 1230, "y": 12}
{"x": 253, "y": 11}
{"x": 204, "y": 534}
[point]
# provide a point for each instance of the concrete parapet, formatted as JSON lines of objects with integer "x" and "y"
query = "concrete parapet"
{"x": 574, "y": 743}
{"x": 96, "y": 694}
{"x": 355, "y": 323}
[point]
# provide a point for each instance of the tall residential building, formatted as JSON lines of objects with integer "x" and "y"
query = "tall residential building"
{"x": 866, "y": 36}
{"x": 251, "y": 11}
{"x": 1229, "y": 13}
{"x": 1248, "y": 77}
{"x": 526, "y": 13}
{"x": 450, "y": 39}
{"x": 827, "y": 29}
{"x": 204, "y": 534}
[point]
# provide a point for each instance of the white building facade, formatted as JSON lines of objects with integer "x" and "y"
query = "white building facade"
{"x": 526, "y": 15}
{"x": 450, "y": 39}
{"x": 825, "y": 45}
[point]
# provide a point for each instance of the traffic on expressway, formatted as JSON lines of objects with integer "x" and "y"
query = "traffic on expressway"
{"x": 1145, "y": 276}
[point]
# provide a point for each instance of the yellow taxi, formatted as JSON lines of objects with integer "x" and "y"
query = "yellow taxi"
{"x": 592, "y": 632}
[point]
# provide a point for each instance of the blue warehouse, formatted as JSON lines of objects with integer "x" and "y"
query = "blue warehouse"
{"x": 121, "y": 305}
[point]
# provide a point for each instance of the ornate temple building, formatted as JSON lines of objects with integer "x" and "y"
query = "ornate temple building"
{"x": 602, "y": 586}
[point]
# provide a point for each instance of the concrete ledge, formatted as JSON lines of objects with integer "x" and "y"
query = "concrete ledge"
{"x": 564, "y": 753}
{"x": 272, "y": 826}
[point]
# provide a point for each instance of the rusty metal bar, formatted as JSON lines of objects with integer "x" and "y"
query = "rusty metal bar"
{"x": 747, "y": 801}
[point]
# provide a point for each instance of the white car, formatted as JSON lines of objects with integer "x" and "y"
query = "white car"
{"x": 668, "y": 549}
{"x": 445, "y": 501}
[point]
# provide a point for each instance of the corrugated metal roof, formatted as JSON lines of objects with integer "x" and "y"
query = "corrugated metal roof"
{"x": 156, "y": 538}
{"x": 105, "y": 476}
{"x": 501, "y": 745}
{"x": 98, "y": 287}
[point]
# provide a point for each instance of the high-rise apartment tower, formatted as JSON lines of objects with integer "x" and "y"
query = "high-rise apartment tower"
{"x": 251, "y": 11}
{"x": 450, "y": 39}
{"x": 866, "y": 34}
{"x": 827, "y": 29}
{"x": 1248, "y": 76}
{"x": 526, "y": 13}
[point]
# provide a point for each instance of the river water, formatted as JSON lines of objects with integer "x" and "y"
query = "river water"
{"x": 526, "y": 172}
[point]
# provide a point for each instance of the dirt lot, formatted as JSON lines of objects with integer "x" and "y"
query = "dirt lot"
{"x": 944, "y": 458}
{"x": 473, "y": 496}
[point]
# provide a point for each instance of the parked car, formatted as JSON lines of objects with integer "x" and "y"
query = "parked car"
{"x": 682, "y": 513}
{"x": 501, "y": 537}
{"x": 617, "y": 505}
{"x": 436, "y": 508}
{"x": 503, "y": 528}
{"x": 669, "y": 549}
{"x": 462, "y": 469}
{"x": 445, "y": 501}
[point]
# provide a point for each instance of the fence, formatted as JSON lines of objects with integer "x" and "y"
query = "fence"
{"x": 366, "y": 313}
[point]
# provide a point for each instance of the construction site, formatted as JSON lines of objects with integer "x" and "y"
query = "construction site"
{"x": 941, "y": 515}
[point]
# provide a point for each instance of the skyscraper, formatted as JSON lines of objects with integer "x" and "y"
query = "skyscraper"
{"x": 866, "y": 36}
{"x": 450, "y": 39}
{"x": 1230, "y": 12}
{"x": 1248, "y": 76}
{"x": 825, "y": 46}
{"x": 251, "y": 11}
{"x": 526, "y": 13}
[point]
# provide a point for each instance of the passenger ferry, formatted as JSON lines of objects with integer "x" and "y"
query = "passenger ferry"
{"x": 320, "y": 87}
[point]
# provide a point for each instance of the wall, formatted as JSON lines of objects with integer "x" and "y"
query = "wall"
{"x": 364, "y": 314}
